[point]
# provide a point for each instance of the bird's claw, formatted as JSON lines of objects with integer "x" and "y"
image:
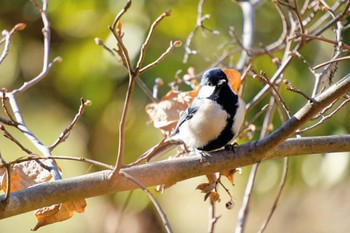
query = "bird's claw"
{"x": 231, "y": 147}
{"x": 204, "y": 156}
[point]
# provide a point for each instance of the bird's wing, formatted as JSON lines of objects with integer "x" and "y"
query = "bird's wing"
{"x": 186, "y": 115}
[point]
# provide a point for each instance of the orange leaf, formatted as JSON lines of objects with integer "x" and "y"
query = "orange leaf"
{"x": 58, "y": 213}
{"x": 3, "y": 180}
{"x": 230, "y": 174}
{"x": 234, "y": 77}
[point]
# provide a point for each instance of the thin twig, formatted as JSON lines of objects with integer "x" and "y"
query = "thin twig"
{"x": 172, "y": 46}
{"x": 146, "y": 90}
{"x": 331, "y": 61}
{"x": 296, "y": 12}
{"x": 248, "y": 11}
{"x": 324, "y": 118}
{"x": 266, "y": 80}
{"x": 65, "y": 134}
{"x": 122, "y": 50}
{"x": 303, "y": 59}
{"x": 253, "y": 119}
{"x": 322, "y": 20}
{"x": 317, "y": 30}
{"x": 7, "y": 166}
{"x": 199, "y": 25}
{"x": 243, "y": 211}
{"x": 152, "y": 198}
{"x": 304, "y": 7}
{"x": 280, "y": 189}
{"x": 279, "y": 42}
{"x": 148, "y": 40}
{"x": 114, "y": 54}
{"x": 212, "y": 217}
{"x": 344, "y": 46}
{"x": 78, "y": 159}
{"x": 47, "y": 41}
{"x": 120, "y": 14}
{"x": 7, "y": 39}
{"x": 13, "y": 139}
{"x": 300, "y": 21}
{"x": 7, "y": 45}
{"x": 296, "y": 90}
{"x": 6, "y": 110}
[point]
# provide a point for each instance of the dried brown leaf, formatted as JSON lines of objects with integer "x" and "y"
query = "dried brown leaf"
{"x": 230, "y": 174}
{"x": 28, "y": 173}
{"x": 24, "y": 175}
{"x": 166, "y": 113}
{"x": 206, "y": 196}
{"x": 58, "y": 212}
{"x": 214, "y": 197}
{"x": 3, "y": 180}
{"x": 206, "y": 187}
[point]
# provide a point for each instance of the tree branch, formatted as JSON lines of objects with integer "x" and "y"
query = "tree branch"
{"x": 172, "y": 171}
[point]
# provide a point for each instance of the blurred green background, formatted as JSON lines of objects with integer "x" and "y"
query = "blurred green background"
{"x": 317, "y": 192}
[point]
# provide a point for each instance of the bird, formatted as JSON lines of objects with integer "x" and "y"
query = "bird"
{"x": 213, "y": 119}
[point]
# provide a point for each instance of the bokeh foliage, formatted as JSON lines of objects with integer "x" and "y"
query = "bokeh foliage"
{"x": 88, "y": 71}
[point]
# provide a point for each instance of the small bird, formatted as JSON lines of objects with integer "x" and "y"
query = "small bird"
{"x": 213, "y": 119}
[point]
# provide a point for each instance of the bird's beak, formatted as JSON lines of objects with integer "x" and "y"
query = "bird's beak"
{"x": 234, "y": 77}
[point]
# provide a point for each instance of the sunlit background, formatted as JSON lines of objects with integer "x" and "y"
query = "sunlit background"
{"x": 316, "y": 198}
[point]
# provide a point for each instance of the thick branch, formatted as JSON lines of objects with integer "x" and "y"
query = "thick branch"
{"x": 172, "y": 171}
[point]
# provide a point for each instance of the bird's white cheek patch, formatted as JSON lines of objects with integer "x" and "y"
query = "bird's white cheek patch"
{"x": 205, "y": 91}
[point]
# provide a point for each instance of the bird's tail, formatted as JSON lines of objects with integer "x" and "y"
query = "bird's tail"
{"x": 166, "y": 145}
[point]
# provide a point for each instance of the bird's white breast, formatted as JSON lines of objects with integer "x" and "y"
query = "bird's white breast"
{"x": 205, "y": 125}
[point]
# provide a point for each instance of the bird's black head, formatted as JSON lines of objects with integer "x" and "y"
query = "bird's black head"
{"x": 214, "y": 77}
{"x": 213, "y": 82}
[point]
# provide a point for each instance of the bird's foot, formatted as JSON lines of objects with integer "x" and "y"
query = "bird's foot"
{"x": 204, "y": 156}
{"x": 231, "y": 147}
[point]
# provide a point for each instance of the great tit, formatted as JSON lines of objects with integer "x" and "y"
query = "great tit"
{"x": 213, "y": 119}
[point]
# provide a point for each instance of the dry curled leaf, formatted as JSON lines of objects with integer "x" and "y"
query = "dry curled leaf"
{"x": 3, "y": 181}
{"x": 29, "y": 173}
{"x": 213, "y": 196}
{"x": 206, "y": 187}
{"x": 58, "y": 213}
{"x": 166, "y": 113}
{"x": 230, "y": 174}
{"x": 24, "y": 175}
